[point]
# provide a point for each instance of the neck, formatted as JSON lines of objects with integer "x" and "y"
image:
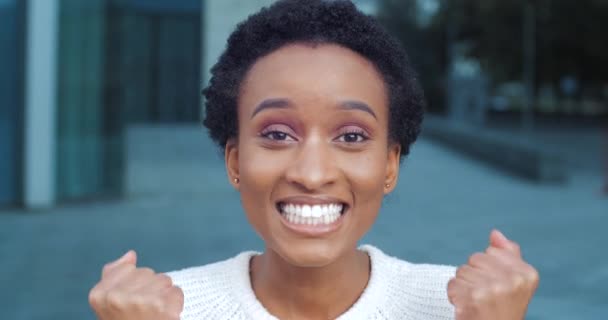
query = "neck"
{"x": 292, "y": 292}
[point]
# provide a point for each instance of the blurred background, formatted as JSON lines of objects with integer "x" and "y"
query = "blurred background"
{"x": 101, "y": 147}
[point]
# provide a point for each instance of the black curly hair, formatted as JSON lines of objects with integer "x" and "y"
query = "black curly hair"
{"x": 313, "y": 22}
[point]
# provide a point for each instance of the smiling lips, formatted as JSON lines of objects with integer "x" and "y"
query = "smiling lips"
{"x": 312, "y": 215}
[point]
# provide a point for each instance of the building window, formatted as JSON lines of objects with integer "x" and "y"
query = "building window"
{"x": 11, "y": 100}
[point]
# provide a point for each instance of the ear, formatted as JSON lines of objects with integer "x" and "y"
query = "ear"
{"x": 231, "y": 157}
{"x": 392, "y": 167}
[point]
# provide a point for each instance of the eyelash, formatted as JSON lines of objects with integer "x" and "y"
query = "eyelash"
{"x": 360, "y": 134}
{"x": 268, "y": 133}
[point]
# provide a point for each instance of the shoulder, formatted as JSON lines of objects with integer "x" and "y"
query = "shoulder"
{"x": 415, "y": 290}
{"x": 208, "y": 289}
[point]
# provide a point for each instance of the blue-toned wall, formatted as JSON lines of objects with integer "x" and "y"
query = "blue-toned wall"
{"x": 10, "y": 102}
{"x": 120, "y": 62}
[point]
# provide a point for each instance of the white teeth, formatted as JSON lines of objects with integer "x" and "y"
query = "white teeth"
{"x": 311, "y": 215}
{"x": 306, "y": 211}
{"x": 317, "y": 212}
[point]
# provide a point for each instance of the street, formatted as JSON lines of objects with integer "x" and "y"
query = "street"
{"x": 181, "y": 212}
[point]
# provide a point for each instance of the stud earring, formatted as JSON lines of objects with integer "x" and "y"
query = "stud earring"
{"x": 387, "y": 185}
{"x": 236, "y": 180}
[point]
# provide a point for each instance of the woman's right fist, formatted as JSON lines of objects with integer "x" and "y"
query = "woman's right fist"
{"x": 127, "y": 292}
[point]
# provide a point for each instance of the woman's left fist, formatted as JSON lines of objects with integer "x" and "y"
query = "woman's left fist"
{"x": 497, "y": 284}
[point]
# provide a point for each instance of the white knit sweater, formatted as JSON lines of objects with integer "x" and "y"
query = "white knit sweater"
{"x": 396, "y": 289}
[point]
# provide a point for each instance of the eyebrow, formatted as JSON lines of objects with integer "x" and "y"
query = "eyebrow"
{"x": 279, "y": 103}
{"x": 282, "y": 103}
{"x": 357, "y": 105}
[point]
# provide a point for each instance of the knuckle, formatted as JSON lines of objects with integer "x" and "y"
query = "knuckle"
{"x": 178, "y": 295}
{"x": 110, "y": 270}
{"x": 498, "y": 289}
{"x": 460, "y": 312}
{"x": 146, "y": 271}
{"x": 143, "y": 304}
{"x": 451, "y": 284}
{"x": 95, "y": 297}
{"x": 463, "y": 267}
{"x": 475, "y": 258}
{"x": 115, "y": 300}
{"x": 479, "y": 296}
{"x": 105, "y": 268}
{"x": 460, "y": 271}
{"x": 532, "y": 275}
{"x": 164, "y": 279}
{"x": 451, "y": 290}
{"x": 519, "y": 281}
{"x": 156, "y": 304}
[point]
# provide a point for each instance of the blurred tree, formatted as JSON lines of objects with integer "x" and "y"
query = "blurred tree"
{"x": 425, "y": 44}
{"x": 569, "y": 39}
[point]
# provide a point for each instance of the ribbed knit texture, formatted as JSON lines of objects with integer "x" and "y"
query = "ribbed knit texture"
{"x": 396, "y": 289}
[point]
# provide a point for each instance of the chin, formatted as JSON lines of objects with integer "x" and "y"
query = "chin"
{"x": 309, "y": 253}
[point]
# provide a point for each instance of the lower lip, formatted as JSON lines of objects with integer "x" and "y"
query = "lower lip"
{"x": 312, "y": 230}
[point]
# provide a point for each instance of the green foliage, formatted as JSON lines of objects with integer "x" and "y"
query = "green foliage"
{"x": 425, "y": 46}
{"x": 570, "y": 37}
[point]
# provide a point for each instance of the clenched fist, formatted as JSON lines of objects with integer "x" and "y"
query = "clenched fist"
{"x": 497, "y": 284}
{"x": 127, "y": 292}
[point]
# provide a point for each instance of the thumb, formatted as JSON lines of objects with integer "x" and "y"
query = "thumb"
{"x": 500, "y": 241}
{"x": 128, "y": 258}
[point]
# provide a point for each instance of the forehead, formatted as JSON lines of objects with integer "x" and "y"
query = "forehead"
{"x": 306, "y": 71}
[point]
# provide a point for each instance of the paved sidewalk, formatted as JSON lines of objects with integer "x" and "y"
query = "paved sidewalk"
{"x": 182, "y": 212}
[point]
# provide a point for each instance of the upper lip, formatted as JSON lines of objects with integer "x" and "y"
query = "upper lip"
{"x": 312, "y": 200}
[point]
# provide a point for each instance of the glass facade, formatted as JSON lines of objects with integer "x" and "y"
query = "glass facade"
{"x": 88, "y": 131}
{"x": 11, "y": 100}
{"x": 157, "y": 54}
{"x": 120, "y": 62}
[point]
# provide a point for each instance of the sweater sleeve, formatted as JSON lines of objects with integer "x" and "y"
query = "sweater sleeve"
{"x": 207, "y": 292}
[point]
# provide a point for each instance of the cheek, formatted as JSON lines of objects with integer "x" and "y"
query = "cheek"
{"x": 366, "y": 175}
{"x": 259, "y": 174}
{"x": 367, "y": 171}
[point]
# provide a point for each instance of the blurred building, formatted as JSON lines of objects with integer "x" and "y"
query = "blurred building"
{"x": 11, "y": 100}
{"x": 74, "y": 75}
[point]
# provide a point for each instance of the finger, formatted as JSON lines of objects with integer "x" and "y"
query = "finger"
{"x": 516, "y": 265}
{"x": 499, "y": 240}
{"x": 175, "y": 302}
{"x": 140, "y": 278}
{"x": 117, "y": 276}
{"x": 473, "y": 276}
{"x": 464, "y": 273}
{"x": 458, "y": 290}
{"x": 505, "y": 258}
{"x": 129, "y": 258}
{"x": 487, "y": 262}
{"x": 159, "y": 283}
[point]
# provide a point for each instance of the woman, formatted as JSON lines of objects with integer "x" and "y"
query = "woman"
{"x": 315, "y": 105}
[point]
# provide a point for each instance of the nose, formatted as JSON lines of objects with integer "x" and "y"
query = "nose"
{"x": 313, "y": 166}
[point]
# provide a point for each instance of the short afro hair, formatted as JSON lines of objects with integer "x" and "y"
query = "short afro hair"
{"x": 315, "y": 22}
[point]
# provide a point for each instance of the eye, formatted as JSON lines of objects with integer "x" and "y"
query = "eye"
{"x": 353, "y": 137}
{"x": 277, "y": 133}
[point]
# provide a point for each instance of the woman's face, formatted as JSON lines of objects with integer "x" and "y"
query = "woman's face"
{"x": 312, "y": 155}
